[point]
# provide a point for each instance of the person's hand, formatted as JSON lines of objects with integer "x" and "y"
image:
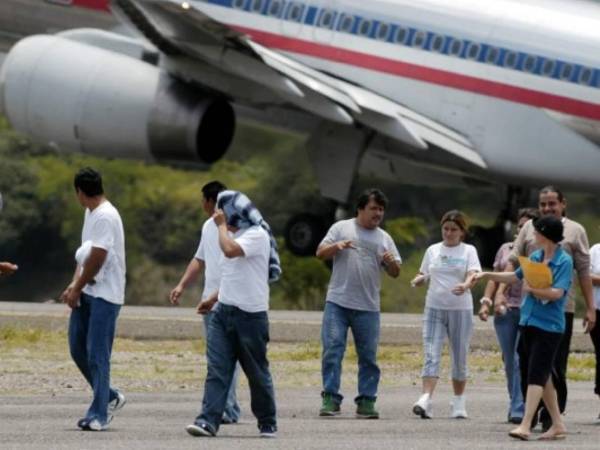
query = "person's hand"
{"x": 484, "y": 313}
{"x": 219, "y": 217}
{"x": 589, "y": 320}
{"x": 342, "y": 245}
{"x": 500, "y": 303}
{"x": 205, "y": 306}
{"x": 8, "y": 268}
{"x": 388, "y": 258}
{"x": 71, "y": 296}
{"x": 175, "y": 294}
{"x": 460, "y": 289}
{"x": 418, "y": 280}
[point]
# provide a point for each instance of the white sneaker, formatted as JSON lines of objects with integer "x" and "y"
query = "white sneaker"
{"x": 423, "y": 407}
{"x": 459, "y": 407}
{"x": 115, "y": 406}
{"x": 96, "y": 425}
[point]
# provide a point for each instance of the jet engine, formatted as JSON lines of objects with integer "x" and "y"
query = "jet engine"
{"x": 79, "y": 97}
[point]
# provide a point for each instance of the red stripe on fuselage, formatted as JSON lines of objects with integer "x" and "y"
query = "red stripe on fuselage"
{"x": 436, "y": 76}
{"x": 100, "y": 5}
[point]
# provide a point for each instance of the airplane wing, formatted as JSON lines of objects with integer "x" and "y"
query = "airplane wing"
{"x": 182, "y": 31}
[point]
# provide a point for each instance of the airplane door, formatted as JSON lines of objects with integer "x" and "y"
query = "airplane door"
{"x": 325, "y": 21}
{"x": 292, "y": 19}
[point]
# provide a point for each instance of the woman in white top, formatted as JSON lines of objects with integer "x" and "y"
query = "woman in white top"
{"x": 449, "y": 267}
{"x": 595, "y": 333}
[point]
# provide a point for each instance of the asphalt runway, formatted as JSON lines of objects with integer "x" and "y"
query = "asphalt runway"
{"x": 156, "y": 421}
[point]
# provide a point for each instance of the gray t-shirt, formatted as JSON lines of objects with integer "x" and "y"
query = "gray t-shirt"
{"x": 356, "y": 279}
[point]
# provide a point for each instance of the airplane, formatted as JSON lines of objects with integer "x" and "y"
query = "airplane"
{"x": 424, "y": 92}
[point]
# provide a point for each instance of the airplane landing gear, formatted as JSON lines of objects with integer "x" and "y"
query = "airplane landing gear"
{"x": 303, "y": 233}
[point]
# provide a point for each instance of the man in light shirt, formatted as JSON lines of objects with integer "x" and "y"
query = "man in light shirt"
{"x": 207, "y": 258}
{"x": 95, "y": 297}
{"x": 239, "y": 329}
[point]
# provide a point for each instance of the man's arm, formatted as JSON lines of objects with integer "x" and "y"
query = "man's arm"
{"x": 207, "y": 304}
{"x": 91, "y": 268}
{"x": 391, "y": 264}
{"x": 586, "y": 286}
{"x": 194, "y": 268}
{"x": 328, "y": 251}
{"x": 229, "y": 247}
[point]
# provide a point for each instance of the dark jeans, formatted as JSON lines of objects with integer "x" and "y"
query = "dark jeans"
{"x": 236, "y": 335}
{"x": 334, "y": 336}
{"x": 91, "y": 334}
{"x": 560, "y": 369}
{"x": 595, "y": 335}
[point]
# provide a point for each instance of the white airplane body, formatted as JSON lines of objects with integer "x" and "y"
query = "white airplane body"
{"x": 426, "y": 92}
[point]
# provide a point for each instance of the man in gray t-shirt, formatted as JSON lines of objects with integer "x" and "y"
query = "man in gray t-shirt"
{"x": 360, "y": 251}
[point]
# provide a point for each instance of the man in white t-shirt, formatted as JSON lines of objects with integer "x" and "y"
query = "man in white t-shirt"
{"x": 207, "y": 259}
{"x": 361, "y": 251}
{"x": 239, "y": 329}
{"x": 95, "y": 297}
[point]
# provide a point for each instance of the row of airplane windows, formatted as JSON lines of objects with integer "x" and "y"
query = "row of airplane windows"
{"x": 329, "y": 19}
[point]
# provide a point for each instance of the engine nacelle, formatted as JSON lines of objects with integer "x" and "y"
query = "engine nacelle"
{"x": 84, "y": 98}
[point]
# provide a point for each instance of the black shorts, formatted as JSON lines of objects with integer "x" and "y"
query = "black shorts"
{"x": 538, "y": 348}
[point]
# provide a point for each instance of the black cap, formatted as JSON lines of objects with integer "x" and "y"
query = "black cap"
{"x": 550, "y": 227}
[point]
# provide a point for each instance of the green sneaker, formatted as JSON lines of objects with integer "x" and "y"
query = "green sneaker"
{"x": 330, "y": 406}
{"x": 365, "y": 409}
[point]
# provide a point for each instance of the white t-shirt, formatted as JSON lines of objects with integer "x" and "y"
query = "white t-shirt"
{"x": 103, "y": 228}
{"x": 595, "y": 269}
{"x": 210, "y": 252}
{"x": 446, "y": 267}
{"x": 245, "y": 279}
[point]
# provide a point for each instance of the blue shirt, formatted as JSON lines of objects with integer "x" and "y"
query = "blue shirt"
{"x": 549, "y": 316}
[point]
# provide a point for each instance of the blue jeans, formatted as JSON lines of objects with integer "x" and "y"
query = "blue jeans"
{"x": 91, "y": 334}
{"x": 507, "y": 330}
{"x": 334, "y": 335}
{"x": 232, "y": 407}
{"x": 236, "y": 335}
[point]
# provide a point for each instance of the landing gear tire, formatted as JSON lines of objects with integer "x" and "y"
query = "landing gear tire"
{"x": 487, "y": 241}
{"x": 303, "y": 233}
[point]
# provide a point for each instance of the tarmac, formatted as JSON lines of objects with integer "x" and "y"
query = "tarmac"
{"x": 157, "y": 420}
{"x": 147, "y": 322}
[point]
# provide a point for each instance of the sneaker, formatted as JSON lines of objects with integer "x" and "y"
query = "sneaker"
{"x": 424, "y": 407}
{"x": 330, "y": 407}
{"x": 115, "y": 405}
{"x": 96, "y": 425}
{"x": 268, "y": 431}
{"x": 365, "y": 409}
{"x": 227, "y": 420}
{"x": 84, "y": 423}
{"x": 200, "y": 429}
{"x": 459, "y": 407}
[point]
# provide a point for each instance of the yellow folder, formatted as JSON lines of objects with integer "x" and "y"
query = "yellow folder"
{"x": 538, "y": 275}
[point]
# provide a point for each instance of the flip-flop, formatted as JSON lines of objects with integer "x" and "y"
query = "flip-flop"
{"x": 517, "y": 435}
{"x": 554, "y": 437}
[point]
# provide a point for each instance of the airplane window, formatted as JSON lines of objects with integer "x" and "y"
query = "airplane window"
{"x": 326, "y": 19}
{"x": 257, "y": 5}
{"x": 346, "y": 23}
{"x": 275, "y": 8}
{"x": 548, "y": 67}
{"x": 364, "y": 27}
{"x": 401, "y": 34}
{"x": 566, "y": 72}
{"x": 510, "y": 60}
{"x": 585, "y": 76}
{"x": 438, "y": 43}
{"x": 492, "y": 55}
{"x": 383, "y": 30}
{"x": 529, "y": 64}
{"x": 295, "y": 11}
{"x": 456, "y": 47}
{"x": 239, "y": 4}
{"x": 419, "y": 39}
{"x": 473, "y": 51}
